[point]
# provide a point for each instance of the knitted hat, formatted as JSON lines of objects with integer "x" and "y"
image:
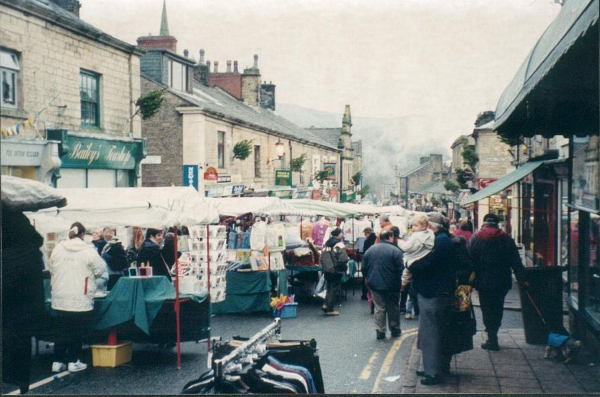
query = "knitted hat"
{"x": 368, "y": 230}
{"x": 336, "y": 232}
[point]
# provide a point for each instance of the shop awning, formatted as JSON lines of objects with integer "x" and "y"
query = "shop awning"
{"x": 557, "y": 44}
{"x": 503, "y": 182}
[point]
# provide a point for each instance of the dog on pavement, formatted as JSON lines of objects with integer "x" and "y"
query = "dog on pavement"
{"x": 564, "y": 348}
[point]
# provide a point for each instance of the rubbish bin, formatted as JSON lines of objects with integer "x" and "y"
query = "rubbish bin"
{"x": 545, "y": 287}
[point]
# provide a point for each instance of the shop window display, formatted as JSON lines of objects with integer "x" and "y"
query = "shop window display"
{"x": 592, "y": 269}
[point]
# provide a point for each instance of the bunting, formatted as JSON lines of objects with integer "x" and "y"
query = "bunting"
{"x": 19, "y": 128}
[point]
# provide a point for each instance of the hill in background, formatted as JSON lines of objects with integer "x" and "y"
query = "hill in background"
{"x": 387, "y": 142}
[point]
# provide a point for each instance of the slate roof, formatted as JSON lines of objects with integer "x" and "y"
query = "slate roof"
{"x": 49, "y": 11}
{"x": 430, "y": 187}
{"x": 404, "y": 174}
{"x": 332, "y": 135}
{"x": 219, "y": 103}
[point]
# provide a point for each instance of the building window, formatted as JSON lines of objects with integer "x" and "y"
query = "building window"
{"x": 90, "y": 98}
{"x": 85, "y": 178}
{"x": 177, "y": 76}
{"x": 9, "y": 64}
{"x": 221, "y": 149}
{"x": 257, "y": 161}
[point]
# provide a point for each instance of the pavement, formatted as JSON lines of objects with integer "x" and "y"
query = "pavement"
{"x": 517, "y": 367}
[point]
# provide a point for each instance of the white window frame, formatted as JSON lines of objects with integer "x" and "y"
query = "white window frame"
{"x": 10, "y": 70}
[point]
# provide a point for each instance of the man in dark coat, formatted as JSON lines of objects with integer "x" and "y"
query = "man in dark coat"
{"x": 494, "y": 253}
{"x": 382, "y": 267}
{"x": 150, "y": 253}
{"x": 334, "y": 261}
{"x": 433, "y": 279}
{"x": 369, "y": 242}
{"x": 23, "y": 307}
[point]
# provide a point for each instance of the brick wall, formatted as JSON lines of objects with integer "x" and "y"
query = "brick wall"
{"x": 230, "y": 82}
{"x": 162, "y": 42}
{"x": 51, "y": 59}
{"x": 164, "y": 135}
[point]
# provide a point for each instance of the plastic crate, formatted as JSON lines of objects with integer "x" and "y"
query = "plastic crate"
{"x": 111, "y": 356}
{"x": 289, "y": 310}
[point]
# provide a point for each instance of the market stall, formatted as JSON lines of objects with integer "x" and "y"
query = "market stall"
{"x": 141, "y": 207}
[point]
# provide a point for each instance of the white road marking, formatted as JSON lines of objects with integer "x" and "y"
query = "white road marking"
{"x": 387, "y": 362}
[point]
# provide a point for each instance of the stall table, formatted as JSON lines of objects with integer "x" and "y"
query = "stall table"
{"x": 249, "y": 291}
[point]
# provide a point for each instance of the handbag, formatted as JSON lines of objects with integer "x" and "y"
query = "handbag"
{"x": 460, "y": 328}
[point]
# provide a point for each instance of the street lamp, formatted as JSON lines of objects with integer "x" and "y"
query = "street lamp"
{"x": 280, "y": 148}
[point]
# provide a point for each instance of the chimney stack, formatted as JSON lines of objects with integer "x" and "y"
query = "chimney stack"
{"x": 235, "y": 67}
{"x": 216, "y": 66}
{"x": 228, "y": 66}
{"x": 201, "y": 61}
{"x": 72, "y": 6}
{"x": 256, "y": 61}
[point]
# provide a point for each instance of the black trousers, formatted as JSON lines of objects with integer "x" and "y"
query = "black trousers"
{"x": 492, "y": 309}
{"x": 73, "y": 329}
{"x": 334, "y": 287}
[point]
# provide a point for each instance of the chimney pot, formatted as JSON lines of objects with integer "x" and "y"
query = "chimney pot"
{"x": 235, "y": 67}
{"x": 216, "y": 66}
{"x": 208, "y": 66}
{"x": 186, "y": 53}
{"x": 228, "y": 66}
{"x": 256, "y": 60}
{"x": 201, "y": 57}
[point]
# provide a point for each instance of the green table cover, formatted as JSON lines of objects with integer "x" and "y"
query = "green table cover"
{"x": 249, "y": 292}
{"x": 137, "y": 299}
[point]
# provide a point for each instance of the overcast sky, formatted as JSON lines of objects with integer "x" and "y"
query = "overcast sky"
{"x": 444, "y": 59}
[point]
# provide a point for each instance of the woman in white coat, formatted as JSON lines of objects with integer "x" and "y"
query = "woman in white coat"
{"x": 75, "y": 265}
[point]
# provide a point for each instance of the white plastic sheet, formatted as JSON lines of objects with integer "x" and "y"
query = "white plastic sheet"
{"x": 21, "y": 194}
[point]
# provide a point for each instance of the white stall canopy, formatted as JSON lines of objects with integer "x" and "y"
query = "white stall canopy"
{"x": 156, "y": 207}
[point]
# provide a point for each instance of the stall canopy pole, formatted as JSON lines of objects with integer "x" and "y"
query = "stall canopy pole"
{"x": 177, "y": 308}
{"x": 208, "y": 275}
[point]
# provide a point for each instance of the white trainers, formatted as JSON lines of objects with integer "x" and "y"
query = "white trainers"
{"x": 409, "y": 316}
{"x": 57, "y": 366}
{"x": 77, "y": 366}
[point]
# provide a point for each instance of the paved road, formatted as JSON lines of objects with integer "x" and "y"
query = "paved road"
{"x": 352, "y": 360}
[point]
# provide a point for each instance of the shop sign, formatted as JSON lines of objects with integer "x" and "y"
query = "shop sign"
{"x": 283, "y": 178}
{"x": 485, "y": 182}
{"x": 237, "y": 190}
{"x": 330, "y": 168}
{"x": 316, "y": 195}
{"x": 224, "y": 179}
{"x": 257, "y": 194}
{"x": 99, "y": 153}
{"x": 22, "y": 154}
{"x": 211, "y": 174}
{"x": 282, "y": 194}
{"x": 333, "y": 192}
{"x": 190, "y": 176}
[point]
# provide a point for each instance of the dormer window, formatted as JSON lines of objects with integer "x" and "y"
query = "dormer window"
{"x": 9, "y": 64}
{"x": 177, "y": 75}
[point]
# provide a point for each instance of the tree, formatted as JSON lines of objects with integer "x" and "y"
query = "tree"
{"x": 242, "y": 149}
{"x": 297, "y": 163}
{"x": 451, "y": 186}
{"x": 357, "y": 178}
{"x": 149, "y": 104}
{"x": 364, "y": 191}
{"x": 462, "y": 177}
{"x": 321, "y": 176}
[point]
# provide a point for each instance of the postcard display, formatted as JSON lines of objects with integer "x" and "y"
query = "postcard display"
{"x": 194, "y": 264}
{"x": 251, "y": 246}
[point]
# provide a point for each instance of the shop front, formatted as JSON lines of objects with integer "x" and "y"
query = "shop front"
{"x": 555, "y": 93}
{"x": 29, "y": 159}
{"x": 89, "y": 161}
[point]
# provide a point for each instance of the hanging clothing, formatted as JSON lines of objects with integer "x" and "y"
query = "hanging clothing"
{"x": 319, "y": 231}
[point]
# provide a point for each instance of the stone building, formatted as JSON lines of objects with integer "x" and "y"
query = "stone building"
{"x": 67, "y": 98}
{"x": 192, "y": 138}
{"x": 430, "y": 169}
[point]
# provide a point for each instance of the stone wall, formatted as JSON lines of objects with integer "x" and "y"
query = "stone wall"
{"x": 164, "y": 138}
{"x": 51, "y": 59}
{"x": 494, "y": 158}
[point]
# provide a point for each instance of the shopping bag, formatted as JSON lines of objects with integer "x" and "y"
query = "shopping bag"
{"x": 321, "y": 289}
{"x": 459, "y": 330}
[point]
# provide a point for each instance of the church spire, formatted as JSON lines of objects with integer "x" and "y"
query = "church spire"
{"x": 164, "y": 24}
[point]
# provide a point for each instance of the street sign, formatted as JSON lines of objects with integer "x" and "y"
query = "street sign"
{"x": 190, "y": 176}
{"x": 283, "y": 178}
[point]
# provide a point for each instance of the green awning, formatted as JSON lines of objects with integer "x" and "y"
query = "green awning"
{"x": 503, "y": 182}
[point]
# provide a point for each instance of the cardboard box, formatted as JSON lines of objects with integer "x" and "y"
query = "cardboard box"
{"x": 112, "y": 356}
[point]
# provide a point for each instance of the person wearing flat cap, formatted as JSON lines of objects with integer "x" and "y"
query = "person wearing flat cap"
{"x": 433, "y": 280}
{"x": 494, "y": 253}
{"x": 334, "y": 261}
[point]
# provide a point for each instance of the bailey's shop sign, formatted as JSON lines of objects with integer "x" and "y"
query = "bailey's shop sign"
{"x": 97, "y": 153}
